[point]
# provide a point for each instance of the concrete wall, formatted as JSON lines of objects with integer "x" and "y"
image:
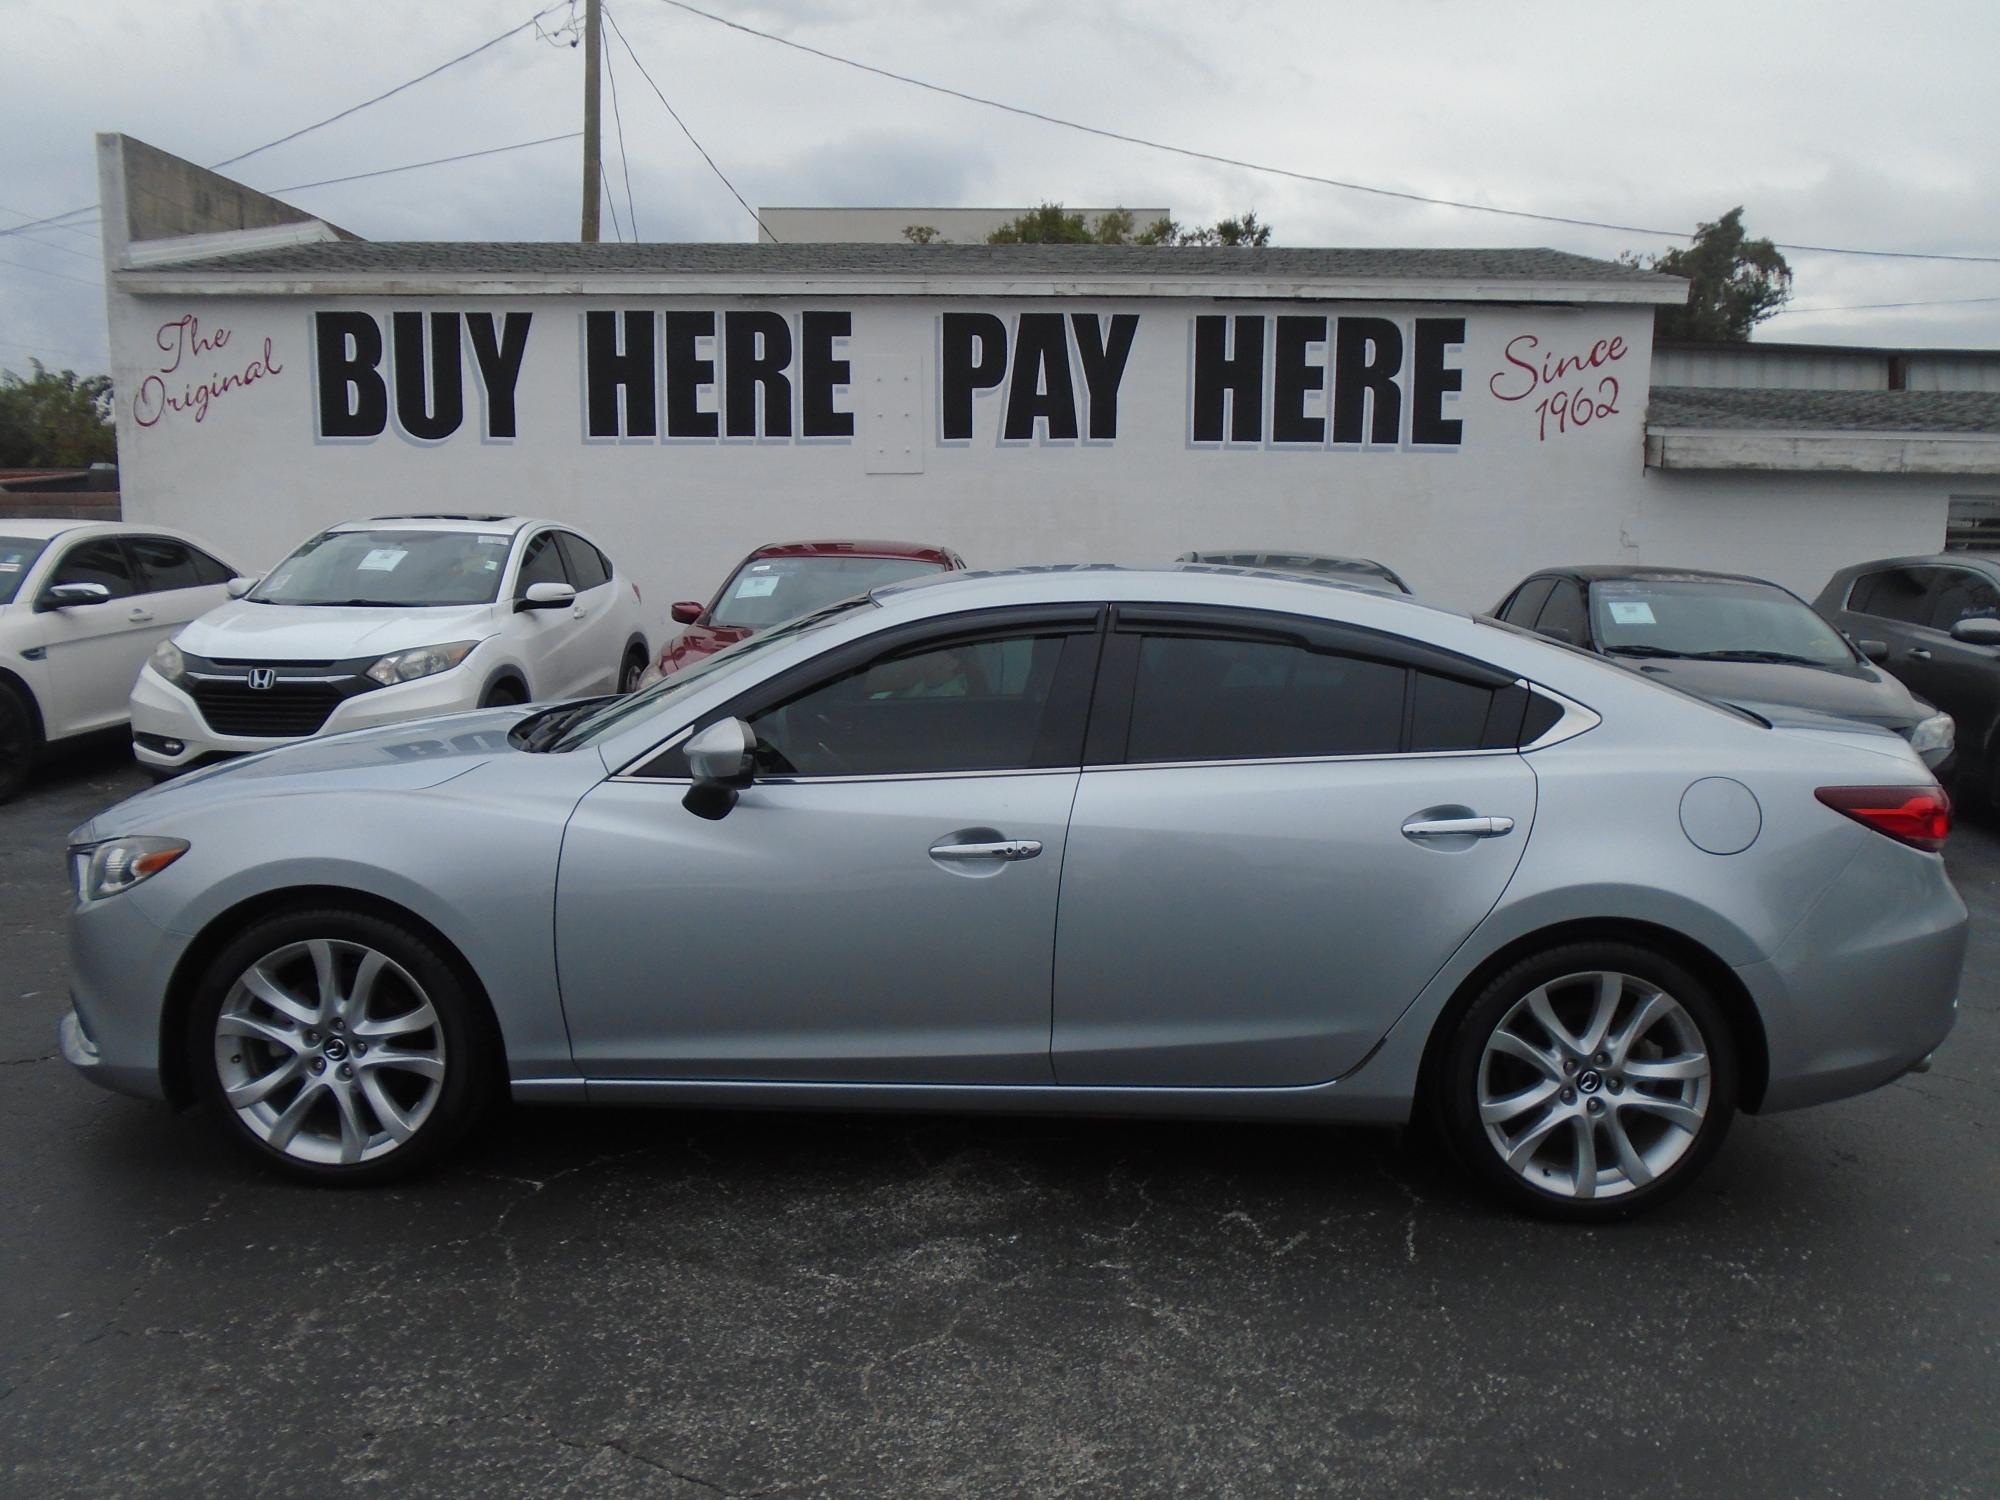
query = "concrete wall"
{"x": 164, "y": 196}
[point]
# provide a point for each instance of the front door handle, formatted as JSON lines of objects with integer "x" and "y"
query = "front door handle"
{"x": 141, "y": 617}
{"x": 1457, "y": 828}
{"x": 1920, "y": 653}
{"x": 999, "y": 851}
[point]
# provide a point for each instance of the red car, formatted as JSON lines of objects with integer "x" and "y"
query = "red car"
{"x": 788, "y": 579}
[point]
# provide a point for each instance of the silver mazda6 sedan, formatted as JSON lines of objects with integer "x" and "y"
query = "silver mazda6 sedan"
{"x": 1193, "y": 841}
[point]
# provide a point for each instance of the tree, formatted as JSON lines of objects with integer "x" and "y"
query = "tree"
{"x": 923, "y": 234}
{"x": 55, "y": 421}
{"x": 1735, "y": 282}
{"x": 1050, "y": 224}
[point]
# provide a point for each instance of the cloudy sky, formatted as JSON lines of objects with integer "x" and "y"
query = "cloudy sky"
{"x": 1836, "y": 123}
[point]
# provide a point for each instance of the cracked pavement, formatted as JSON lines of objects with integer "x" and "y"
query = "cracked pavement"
{"x": 613, "y": 1303}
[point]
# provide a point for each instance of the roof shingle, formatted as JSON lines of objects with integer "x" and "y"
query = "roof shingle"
{"x": 1728, "y": 409}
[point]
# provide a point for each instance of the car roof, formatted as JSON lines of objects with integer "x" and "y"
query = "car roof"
{"x": 1986, "y": 560}
{"x": 39, "y": 529}
{"x": 1287, "y": 561}
{"x": 1607, "y": 572}
{"x": 928, "y": 552}
{"x": 443, "y": 521}
{"x": 44, "y": 528}
{"x": 1307, "y": 593}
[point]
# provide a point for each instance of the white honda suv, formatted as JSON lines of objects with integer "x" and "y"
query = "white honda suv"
{"x": 399, "y": 617}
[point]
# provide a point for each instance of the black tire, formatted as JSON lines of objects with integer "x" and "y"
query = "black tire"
{"x": 463, "y": 1036}
{"x": 505, "y": 694}
{"x": 1669, "y": 1155}
{"x": 20, "y": 741}
{"x": 631, "y": 670}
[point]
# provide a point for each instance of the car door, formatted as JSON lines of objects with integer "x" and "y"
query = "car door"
{"x": 554, "y": 647}
{"x": 179, "y": 584}
{"x": 94, "y": 651}
{"x": 879, "y": 907}
{"x": 1893, "y": 605}
{"x": 1287, "y": 833}
{"x": 1959, "y": 677}
{"x": 600, "y": 638}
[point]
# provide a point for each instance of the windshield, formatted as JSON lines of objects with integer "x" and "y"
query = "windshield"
{"x": 615, "y": 713}
{"x": 17, "y": 555}
{"x": 1713, "y": 619}
{"x": 769, "y": 590}
{"x": 390, "y": 568}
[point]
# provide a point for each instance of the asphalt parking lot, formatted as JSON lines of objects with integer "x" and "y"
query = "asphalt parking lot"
{"x": 663, "y": 1303}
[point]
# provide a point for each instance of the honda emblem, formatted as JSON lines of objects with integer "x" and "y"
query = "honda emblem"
{"x": 262, "y": 678}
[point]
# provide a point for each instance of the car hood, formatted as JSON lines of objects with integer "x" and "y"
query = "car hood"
{"x": 1775, "y": 690}
{"x": 704, "y": 640}
{"x": 405, "y": 757}
{"x": 243, "y": 631}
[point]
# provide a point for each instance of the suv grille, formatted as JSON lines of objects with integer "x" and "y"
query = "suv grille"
{"x": 284, "y": 709}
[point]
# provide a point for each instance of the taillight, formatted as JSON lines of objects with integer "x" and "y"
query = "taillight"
{"x": 1919, "y": 816}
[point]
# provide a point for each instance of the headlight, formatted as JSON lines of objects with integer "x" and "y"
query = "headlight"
{"x": 100, "y": 870}
{"x": 1934, "y": 736}
{"x": 419, "y": 661}
{"x": 168, "y": 662}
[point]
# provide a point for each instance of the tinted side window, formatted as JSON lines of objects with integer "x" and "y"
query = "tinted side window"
{"x": 587, "y": 568}
{"x": 540, "y": 563}
{"x": 1527, "y": 602}
{"x": 1564, "y": 611}
{"x": 979, "y": 705}
{"x": 1893, "y": 594}
{"x": 208, "y": 569}
{"x": 102, "y": 561}
{"x": 164, "y": 563}
{"x": 1961, "y": 595}
{"x": 1204, "y": 698}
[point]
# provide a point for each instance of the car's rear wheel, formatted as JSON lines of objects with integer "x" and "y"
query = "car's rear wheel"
{"x": 19, "y": 742}
{"x": 1591, "y": 1081}
{"x": 633, "y": 669}
{"x": 340, "y": 1047}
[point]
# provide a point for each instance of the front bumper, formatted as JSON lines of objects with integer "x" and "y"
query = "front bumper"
{"x": 163, "y": 712}
{"x": 121, "y": 964}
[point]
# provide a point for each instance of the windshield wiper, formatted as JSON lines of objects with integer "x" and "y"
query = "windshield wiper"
{"x": 539, "y": 731}
{"x": 1645, "y": 651}
{"x": 1783, "y": 658}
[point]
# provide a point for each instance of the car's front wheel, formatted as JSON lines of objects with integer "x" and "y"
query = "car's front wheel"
{"x": 1590, "y": 1081}
{"x": 632, "y": 671}
{"x": 340, "y": 1046}
{"x": 19, "y": 743}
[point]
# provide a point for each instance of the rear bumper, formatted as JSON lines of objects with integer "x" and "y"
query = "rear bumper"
{"x": 1866, "y": 987}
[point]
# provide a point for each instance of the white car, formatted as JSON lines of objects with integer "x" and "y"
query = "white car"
{"x": 82, "y": 605}
{"x": 399, "y": 617}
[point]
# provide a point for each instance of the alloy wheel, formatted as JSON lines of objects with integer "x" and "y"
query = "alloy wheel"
{"x": 1594, "y": 1085}
{"x": 330, "y": 1052}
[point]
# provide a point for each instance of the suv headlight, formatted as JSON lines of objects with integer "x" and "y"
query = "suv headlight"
{"x": 168, "y": 662}
{"x": 100, "y": 870}
{"x": 419, "y": 661}
{"x": 1934, "y": 736}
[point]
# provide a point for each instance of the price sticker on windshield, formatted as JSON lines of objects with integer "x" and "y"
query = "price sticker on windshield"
{"x": 757, "y": 588}
{"x": 382, "y": 560}
{"x": 1632, "y": 612}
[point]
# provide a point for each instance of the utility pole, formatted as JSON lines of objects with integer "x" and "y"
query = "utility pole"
{"x": 593, "y": 169}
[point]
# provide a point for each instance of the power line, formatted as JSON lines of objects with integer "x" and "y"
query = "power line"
{"x": 1809, "y": 307}
{"x": 683, "y": 124}
{"x": 50, "y": 244}
{"x": 1251, "y": 166}
{"x": 624, "y": 160}
{"x": 436, "y": 161}
{"x": 610, "y": 200}
{"x": 37, "y": 349}
{"x": 44, "y": 271}
{"x": 54, "y": 219}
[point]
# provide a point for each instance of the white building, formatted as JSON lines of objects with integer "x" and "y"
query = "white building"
{"x": 1464, "y": 415}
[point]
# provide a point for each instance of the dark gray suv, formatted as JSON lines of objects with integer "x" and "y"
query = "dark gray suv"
{"x": 1934, "y": 624}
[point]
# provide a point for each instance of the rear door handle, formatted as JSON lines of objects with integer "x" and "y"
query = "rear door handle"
{"x": 1001, "y": 850}
{"x": 141, "y": 617}
{"x": 1919, "y": 653}
{"x": 1451, "y": 828}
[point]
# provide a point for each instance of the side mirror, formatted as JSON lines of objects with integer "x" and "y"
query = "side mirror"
{"x": 546, "y": 596}
{"x": 1977, "y": 630}
{"x": 722, "y": 760}
{"x": 1873, "y": 650}
{"x": 68, "y": 595}
{"x": 240, "y": 586}
{"x": 686, "y": 612}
